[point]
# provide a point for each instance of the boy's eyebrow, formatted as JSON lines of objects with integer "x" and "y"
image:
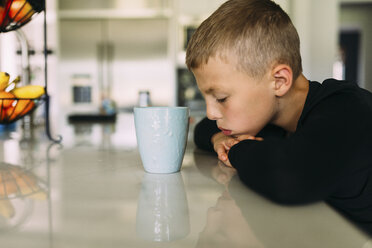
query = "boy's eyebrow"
{"x": 213, "y": 91}
{"x": 210, "y": 91}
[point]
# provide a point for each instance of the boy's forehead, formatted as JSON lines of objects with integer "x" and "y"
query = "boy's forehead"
{"x": 208, "y": 85}
{"x": 213, "y": 75}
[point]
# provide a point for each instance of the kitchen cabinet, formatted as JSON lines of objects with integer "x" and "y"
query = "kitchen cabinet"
{"x": 119, "y": 64}
{"x": 121, "y": 47}
{"x": 124, "y": 47}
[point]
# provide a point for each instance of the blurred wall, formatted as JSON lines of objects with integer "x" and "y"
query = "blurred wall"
{"x": 317, "y": 24}
{"x": 358, "y": 17}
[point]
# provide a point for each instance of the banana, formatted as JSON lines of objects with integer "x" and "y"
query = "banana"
{"x": 29, "y": 91}
{"x": 4, "y": 80}
{"x": 13, "y": 83}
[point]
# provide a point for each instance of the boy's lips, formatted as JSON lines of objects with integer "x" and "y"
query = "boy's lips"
{"x": 225, "y": 131}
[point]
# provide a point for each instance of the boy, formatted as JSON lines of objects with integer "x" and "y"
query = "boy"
{"x": 291, "y": 139}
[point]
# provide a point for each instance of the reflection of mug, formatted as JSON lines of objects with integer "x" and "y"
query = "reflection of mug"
{"x": 161, "y": 136}
{"x": 162, "y": 211}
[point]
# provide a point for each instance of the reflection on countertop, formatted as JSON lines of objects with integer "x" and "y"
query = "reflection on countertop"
{"x": 25, "y": 195}
{"x": 162, "y": 210}
{"x": 240, "y": 217}
{"x": 106, "y": 135}
{"x": 19, "y": 189}
{"x": 98, "y": 195}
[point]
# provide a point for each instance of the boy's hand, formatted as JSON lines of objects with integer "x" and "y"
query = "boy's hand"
{"x": 248, "y": 137}
{"x": 222, "y": 144}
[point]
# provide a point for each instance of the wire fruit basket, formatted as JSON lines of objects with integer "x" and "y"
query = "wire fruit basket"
{"x": 16, "y": 13}
{"x": 13, "y": 15}
{"x": 13, "y": 109}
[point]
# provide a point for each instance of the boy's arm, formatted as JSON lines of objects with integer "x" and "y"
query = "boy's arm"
{"x": 312, "y": 163}
{"x": 272, "y": 131}
{"x": 206, "y": 128}
{"x": 203, "y": 133}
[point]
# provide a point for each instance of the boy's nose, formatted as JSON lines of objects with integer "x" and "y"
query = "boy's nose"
{"x": 213, "y": 113}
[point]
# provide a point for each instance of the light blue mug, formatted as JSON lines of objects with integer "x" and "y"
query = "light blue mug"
{"x": 161, "y": 137}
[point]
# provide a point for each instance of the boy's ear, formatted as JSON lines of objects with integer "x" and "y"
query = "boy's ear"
{"x": 282, "y": 75}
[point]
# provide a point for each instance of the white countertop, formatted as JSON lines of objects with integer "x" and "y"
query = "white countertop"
{"x": 98, "y": 195}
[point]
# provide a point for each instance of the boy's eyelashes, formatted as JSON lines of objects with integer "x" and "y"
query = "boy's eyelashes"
{"x": 221, "y": 100}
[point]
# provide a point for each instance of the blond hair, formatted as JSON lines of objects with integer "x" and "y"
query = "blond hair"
{"x": 258, "y": 32}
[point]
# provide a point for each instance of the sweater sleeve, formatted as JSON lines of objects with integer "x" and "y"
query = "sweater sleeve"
{"x": 308, "y": 165}
{"x": 203, "y": 133}
{"x": 206, "y": 128}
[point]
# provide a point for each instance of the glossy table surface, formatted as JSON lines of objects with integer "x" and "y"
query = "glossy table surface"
{"x": 93, "y": 192}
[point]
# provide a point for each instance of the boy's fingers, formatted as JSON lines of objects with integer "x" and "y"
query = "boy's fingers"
{"x": 229, "y": 143}
{"x": 233, "y": 142}
{"x": 245, "y": 137}
{"x": 221, "y": 152}
{"x": 222, "y": 156}
{"x": 250, "y": 137}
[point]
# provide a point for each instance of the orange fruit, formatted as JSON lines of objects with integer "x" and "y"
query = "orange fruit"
{"x": 3, "y": 19}
{"x": 3, "y": 114}
{"x": 10, "y": 115}
{"x": 22, "y": 107}
{"x": 6, "y": 103}
{"x": 19, "y": 10}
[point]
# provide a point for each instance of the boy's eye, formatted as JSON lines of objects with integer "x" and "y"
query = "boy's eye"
{"x": 221, "y": 100}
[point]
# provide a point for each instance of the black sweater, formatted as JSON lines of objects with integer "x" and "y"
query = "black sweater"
{"x": 329, "y": 157}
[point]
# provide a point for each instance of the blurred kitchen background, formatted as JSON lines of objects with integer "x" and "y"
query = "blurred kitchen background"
{"x": 108, "y": 51}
